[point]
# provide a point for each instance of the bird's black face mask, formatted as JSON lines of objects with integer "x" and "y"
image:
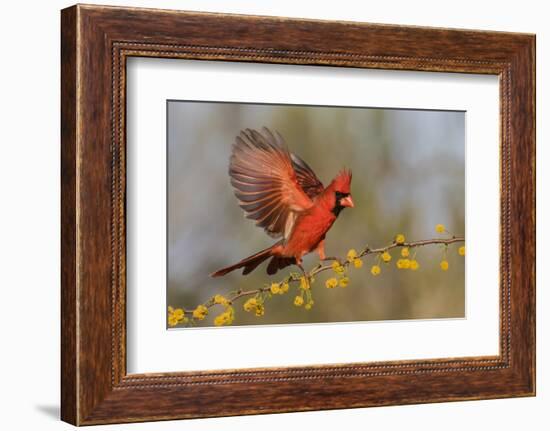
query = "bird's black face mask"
{"x": 343, "y": 200}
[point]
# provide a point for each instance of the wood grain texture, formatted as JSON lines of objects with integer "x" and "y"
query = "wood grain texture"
{"x": 69, "y": 367}
{"x": 96, "y": 41}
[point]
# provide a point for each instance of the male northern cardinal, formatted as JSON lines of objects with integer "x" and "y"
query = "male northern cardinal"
{"x": 278, "y": 190}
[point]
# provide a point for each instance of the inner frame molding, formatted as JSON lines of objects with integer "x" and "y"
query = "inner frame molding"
{"x": 96, "y": 42}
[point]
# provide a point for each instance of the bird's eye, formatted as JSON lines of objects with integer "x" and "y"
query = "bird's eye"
{"x": 340, "y": 195}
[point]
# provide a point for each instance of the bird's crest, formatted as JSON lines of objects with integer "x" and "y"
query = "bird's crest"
{"x": 342, "y": 181}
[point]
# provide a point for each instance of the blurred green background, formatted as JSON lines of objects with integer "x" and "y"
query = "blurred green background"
{"x": 408, "y": 175}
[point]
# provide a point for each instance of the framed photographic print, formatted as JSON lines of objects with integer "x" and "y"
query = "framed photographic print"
{"x": 258, "y": 208}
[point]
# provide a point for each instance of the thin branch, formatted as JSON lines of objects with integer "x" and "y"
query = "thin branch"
{"x": 367, "y": 250}
{"x": 295, "y": 278}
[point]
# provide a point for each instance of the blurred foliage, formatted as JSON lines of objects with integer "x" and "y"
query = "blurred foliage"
{"x": 408, "y": 175}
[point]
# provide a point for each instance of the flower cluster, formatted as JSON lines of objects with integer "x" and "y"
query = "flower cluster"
{"x": 279, "y": 288}
{"x": 176, "y": 316}
{"x": 298, "y": 301}
{"x": 406, "y": 261}
{"x": 331, "y": 283}
{"x": 354, "y": 259}
{"x": 200, "y": 312}
{"x": 254, "y": 305}
{"x": 225, "y": 318}
{"x": 221, "y": 300}
{"x": 304, "y": 281}
{"x": 411, "y": 264}
{"x": 339, "y": 269}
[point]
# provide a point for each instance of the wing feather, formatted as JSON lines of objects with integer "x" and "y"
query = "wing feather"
{"x": 307, "y": 179}
{"x": 265, "y": 181}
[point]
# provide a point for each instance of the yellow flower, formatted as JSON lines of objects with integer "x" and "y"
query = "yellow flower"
{"x": 344, "y": 281}
{"x": 225, "y": 318}
{"x": 284, "y": 287}
{"x": 250, "y": 305}
{"x": 331, "y": 283}
{"x": 352, "y": 254}
{"x": 304, "y": 283}
{"x": 403, "y": 263}
{"x": 275, "y": 288}
{"x": 337, "y": 268}
{"x": 172, "y": 320}
{"x": 220, "y": 320}
{"x": 400, "y": 238}
{"x": 255, "y": 306}
{"x": 444, "y": 265}
{"x": 175, "y": 316}
{"x": 222, "y": 300}
{"x": 352, "y": 258}
{"x": 259, "y": 310}
{"x": 200, "y": 312}
{"x": 439, "y": 228}
{"x": 375, "y": 270}
{"x": 462, "y": 250}
{"x": 386, "y": 257}
{"x": 414, "y": 265}
{"x": 308, "y": 305}
{"x": 298, "y": 301}
{"x": 405, "y": 252}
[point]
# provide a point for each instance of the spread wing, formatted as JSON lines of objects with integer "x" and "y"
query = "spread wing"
{"x": 306, "y": 177}
{"x": 265, "y": 182}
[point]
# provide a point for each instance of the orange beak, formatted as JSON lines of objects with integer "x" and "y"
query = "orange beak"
{"x": 347, "y": 202}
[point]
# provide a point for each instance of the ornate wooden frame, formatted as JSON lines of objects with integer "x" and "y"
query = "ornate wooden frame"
{"x": 95, "y": 43}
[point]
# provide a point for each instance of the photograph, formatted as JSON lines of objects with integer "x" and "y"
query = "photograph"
{"x": 296, "y": 214}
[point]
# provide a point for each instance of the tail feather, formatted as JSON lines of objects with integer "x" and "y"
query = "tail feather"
{"x": 249, "y": 263}
{"x": 279, "y": 262}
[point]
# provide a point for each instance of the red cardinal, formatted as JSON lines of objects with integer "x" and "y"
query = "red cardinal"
{"x": 278, "y": 190}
